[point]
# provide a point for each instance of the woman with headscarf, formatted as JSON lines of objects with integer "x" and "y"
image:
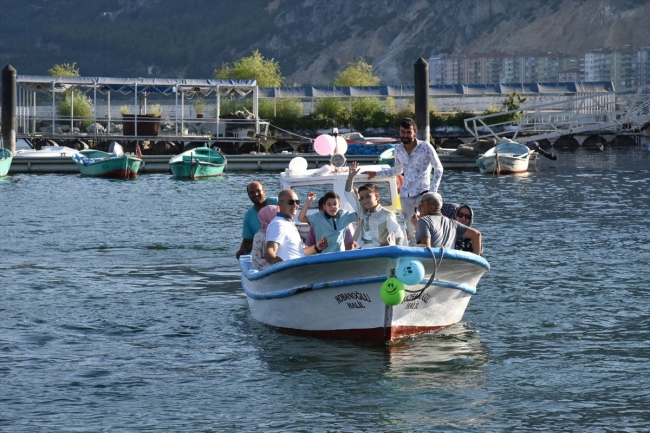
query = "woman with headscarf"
{"x": 265, "y": 215}
{"x": 465, "y": 215}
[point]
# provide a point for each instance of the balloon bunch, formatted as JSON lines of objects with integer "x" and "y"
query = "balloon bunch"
{"x": 325, "y": 144}
{"x": 409, "y": 272}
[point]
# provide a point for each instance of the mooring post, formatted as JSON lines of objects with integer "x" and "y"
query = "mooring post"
{"x": 9, "y": 108}
{"x": 422, "y": 98}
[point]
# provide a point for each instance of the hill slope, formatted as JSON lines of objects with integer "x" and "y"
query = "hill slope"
{"x": 311, "y": 39}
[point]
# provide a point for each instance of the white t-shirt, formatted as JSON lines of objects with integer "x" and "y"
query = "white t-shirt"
{"x": 285, "y": 234}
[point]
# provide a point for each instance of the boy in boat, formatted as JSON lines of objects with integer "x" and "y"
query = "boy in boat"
{"x": 311, "y": 236}
{"x": 378, "y": 227}
{"x": 332, "y": 223}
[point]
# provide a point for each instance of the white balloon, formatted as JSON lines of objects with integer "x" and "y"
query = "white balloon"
{"x": 298, "y": 164}
{"x": 341, "y": 145}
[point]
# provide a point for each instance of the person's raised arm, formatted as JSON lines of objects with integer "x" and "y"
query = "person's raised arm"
{"x": 303, "y": 212}
{"x": 270, "y": 253}
{"x": 476, "y": 238}
{"x": 352, "y": 172}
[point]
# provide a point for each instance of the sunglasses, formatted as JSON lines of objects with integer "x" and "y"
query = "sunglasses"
{"x": 293, "y": 202}
{"x": 463, "y": 215}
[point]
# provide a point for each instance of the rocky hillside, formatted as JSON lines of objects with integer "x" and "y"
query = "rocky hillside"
{"x": 311, "y": 39}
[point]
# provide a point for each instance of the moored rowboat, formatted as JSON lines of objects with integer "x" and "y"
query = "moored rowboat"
{"x": 115, "y": 165}
{"x": 198, "y": 163}
{"x": 506, "y": 157}
{"x": 5, "y": 161}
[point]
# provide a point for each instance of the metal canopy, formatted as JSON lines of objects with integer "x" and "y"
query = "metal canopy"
{"x": 166, "y": 86}
{"x": 437, "y": 90}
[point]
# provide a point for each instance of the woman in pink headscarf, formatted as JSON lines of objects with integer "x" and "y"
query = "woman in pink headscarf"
{"x": 265, "y": 215}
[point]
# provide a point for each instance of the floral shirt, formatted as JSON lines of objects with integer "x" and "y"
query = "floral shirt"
{"x": 257, "y": 253}
{"x": 416, "y": 168}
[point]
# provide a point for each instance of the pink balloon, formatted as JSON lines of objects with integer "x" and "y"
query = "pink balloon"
{"x": 324, "y": 144}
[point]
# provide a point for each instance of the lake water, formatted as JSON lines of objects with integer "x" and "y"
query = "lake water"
{"x": 121, "y": 309}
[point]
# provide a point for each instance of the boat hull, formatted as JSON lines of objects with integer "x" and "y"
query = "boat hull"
{"x": 506, "y": 164}
{"x": 506, "y": 157}
{"x": 198, "y": 163}
{"x": 121, "y": 167}
{"x": 337, "y": 295}
{"x": 5, "y": 161}
{"x": 195, "y": 170}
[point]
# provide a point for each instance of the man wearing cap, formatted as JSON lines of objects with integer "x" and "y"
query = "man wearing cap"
{"x": 415, "y": 159}
{"x": 436, "y": 230}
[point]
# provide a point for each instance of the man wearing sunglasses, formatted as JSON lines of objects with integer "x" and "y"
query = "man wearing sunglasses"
{"x": 283, "y": 241}
{"x": 436, "y": 230}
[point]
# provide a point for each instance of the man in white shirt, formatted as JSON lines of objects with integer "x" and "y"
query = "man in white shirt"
{"x": 283, "y": 241}
{"x": 415, "y": 159}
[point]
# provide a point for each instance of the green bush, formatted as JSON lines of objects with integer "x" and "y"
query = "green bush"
{"x": 83, "y": 106}
{"x": 365, "y": 111}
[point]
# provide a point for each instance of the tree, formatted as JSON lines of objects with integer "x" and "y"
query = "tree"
{"x": 254, "y": 67}
{"x": 64, "y": 70}
{"x": 357, "y": 74}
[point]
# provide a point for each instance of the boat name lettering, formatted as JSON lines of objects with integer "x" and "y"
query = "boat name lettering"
{"x": 357, "y": 304}
{"x": 412, "y": 305}
{"x": 352, "y": 295}
{"x": 412, "y": 297}
{"x": 426, "y": 298}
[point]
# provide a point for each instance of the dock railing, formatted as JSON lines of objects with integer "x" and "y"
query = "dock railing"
{"x": 622, "y": 112}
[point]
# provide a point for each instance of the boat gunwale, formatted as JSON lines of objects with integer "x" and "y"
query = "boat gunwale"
{"x": 390, "y": 252}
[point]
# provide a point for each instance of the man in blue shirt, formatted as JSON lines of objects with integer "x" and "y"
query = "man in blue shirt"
{"x": 252, "y": 224}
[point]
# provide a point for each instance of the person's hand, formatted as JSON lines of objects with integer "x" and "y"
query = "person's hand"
{"x": 239, "y": 253}
{"x": 311, "y": 197}
{"x": 354, "y": 169}
{"x": 322, "y": 244}
{"x": 371, "y": 174}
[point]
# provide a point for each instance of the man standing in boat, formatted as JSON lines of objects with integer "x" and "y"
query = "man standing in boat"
{"x": 252, "y": 224}
{"x": 415, "y": 159}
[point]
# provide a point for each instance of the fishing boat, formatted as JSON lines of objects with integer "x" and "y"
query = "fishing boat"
{"x": 5, "y": 161}
{"x": 114, "y": 164}
{"x": 338, "y": 295}
{"x": 506, "y": 157}
{"x": 198, "y": 163}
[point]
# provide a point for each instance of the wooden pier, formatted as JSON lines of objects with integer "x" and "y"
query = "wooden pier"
{"x": 258, "y": 162}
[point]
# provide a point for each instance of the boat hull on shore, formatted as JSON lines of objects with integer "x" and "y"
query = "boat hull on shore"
{"x": 337, "y": 295}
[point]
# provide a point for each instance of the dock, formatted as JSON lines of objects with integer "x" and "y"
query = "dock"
{"x": 257, "y": 162}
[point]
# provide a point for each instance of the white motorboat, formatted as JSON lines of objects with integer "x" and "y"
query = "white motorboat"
{"x": 506, "y": 157}
{"x": 47, "y": 152}
{"x": 337, "y": 295}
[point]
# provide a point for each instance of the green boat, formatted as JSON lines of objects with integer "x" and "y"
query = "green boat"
{"x": 387, "y": 157}
{"x": 114, "y": 165}
{"x": 197, "y": 163}
{"x": 5, "y": 161}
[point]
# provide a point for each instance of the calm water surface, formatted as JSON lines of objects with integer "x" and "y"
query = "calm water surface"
{"x": 121, "y": 309}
